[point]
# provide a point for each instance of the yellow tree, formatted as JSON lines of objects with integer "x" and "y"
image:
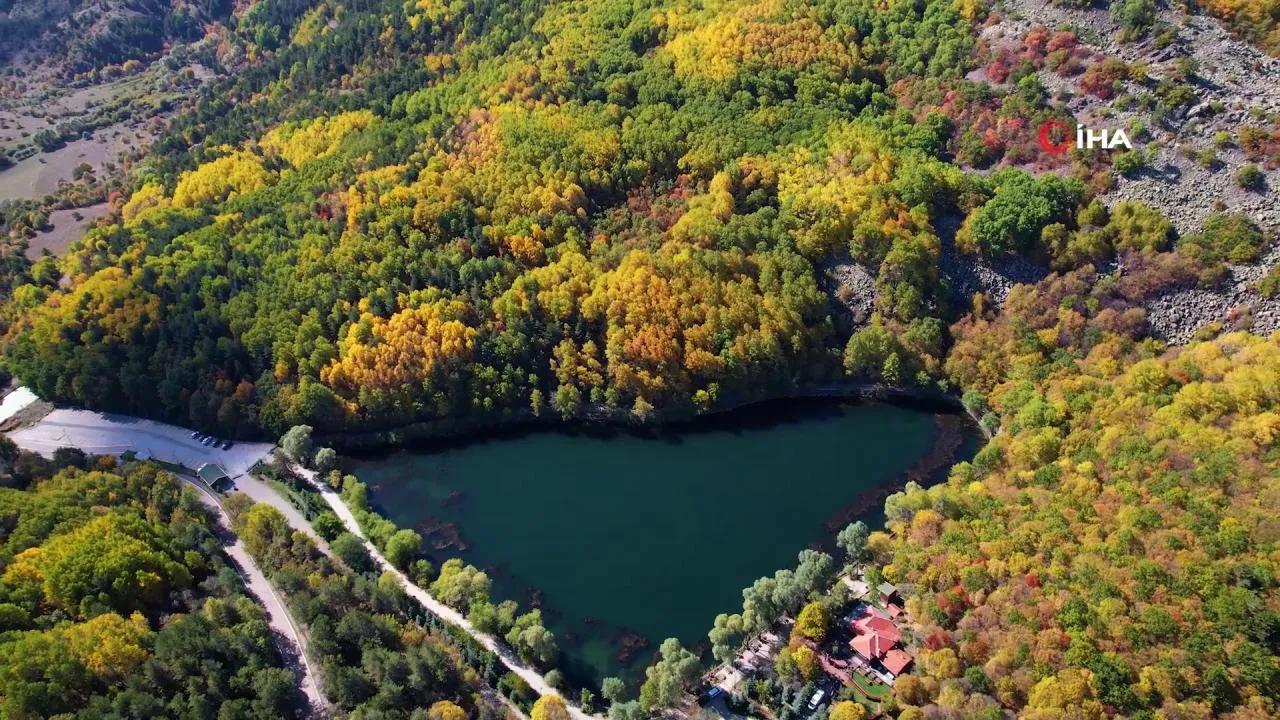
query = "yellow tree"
{"x": 445, "y": 710}
{"x": 812, "y": 622}
{"x": 806, "y": 662}
{"x": 848, "y": 710}
{"x": 550, "y": 707}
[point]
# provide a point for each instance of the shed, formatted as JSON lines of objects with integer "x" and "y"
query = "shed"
{"x": 213, "y": 475}
{"x": 886, "y": 590}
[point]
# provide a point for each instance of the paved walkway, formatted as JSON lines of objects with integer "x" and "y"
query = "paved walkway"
{"x": 453, "y": 617}
{"x": 278, "y": 616}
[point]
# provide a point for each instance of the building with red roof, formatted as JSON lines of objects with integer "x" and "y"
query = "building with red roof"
{"x": 876, "y": 639}
{"x": 896, "y": 661}
{"x": 870, "y": 646}
{"x": 875, "y": 623}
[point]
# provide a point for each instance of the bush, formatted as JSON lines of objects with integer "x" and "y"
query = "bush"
{"x": 1250, "y": 178}
{"x": 350, "y": 550}
{"x": 1224, "y": 237}
{"x": 1135, "y": 17}
{"x": 328, "y": 525}
{"x": 1269, "y": 285}
{"x": 326, "y": 459}
{"x": 1129, "y": 163}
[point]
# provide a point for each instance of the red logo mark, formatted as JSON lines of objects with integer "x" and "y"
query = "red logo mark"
{"x": 1055, "y": 127}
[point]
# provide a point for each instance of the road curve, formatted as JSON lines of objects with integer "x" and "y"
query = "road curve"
{"x": 278, "y": 617}
{"x": 453, "y": 617}
{"x": 99, "y": 433}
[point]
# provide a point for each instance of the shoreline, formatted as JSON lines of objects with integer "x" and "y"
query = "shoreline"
{"x": 946, "y": 450}
{"x": 952, "y": 433}
{"x": 600, "y": 419}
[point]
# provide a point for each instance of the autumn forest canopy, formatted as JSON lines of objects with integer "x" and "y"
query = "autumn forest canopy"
{"x": 439, "y": 212}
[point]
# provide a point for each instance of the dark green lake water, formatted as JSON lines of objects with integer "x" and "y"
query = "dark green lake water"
{"x": 649, "y": 536}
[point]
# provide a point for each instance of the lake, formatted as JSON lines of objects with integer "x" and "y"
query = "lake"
{"x": 627, "y": 539}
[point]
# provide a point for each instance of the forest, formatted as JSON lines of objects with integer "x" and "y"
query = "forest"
{"x": 117, "y": 602}
{"x": 1112, "y": 551}
{"x": 467, "y": 212}
{"x": 511, "y": 211}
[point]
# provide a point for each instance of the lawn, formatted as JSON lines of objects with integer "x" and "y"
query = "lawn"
{"x": 873, "y": 691}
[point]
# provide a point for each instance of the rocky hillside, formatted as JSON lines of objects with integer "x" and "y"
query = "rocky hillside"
{"x": 75, "y": 36}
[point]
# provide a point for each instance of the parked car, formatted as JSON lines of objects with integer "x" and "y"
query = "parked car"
{"x": 226, "y": 444}
{"x": 207, "y": 442}
{"x": 195, "y": 435}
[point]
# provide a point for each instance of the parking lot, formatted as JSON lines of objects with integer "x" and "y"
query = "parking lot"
{"x": 105, "y": 434}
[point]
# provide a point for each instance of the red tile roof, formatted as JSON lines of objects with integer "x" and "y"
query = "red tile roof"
{"x": 871, "y": 647}
{"x": 895, "y": 661}
{"x": 893, "y": 610}
{"x": 878, "y": 625}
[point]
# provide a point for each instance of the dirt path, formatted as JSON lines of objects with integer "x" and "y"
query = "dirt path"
{"x": 259, "y": 491}
{"x": 278, "y": 617}
{"x": 453, "y": 617}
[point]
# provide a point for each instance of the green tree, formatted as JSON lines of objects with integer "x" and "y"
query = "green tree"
{"x": 328, "y": 525}
{"x": 613, "y": 689}
{"x": 297, "y": 444}
{"x": 531, "y": 641}
{"x": 853, "y": 540}
{"x": 666, "y": 680}
{"x": 326, "y": 459}
{"x": 459, "y": 585}
{"x": 351, "y": 551}
{"x": 402, "y": 547}
{"x": 725, "y": 635}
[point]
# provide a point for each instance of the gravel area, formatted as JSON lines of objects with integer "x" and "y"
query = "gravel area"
{"x": 104, "y": 434}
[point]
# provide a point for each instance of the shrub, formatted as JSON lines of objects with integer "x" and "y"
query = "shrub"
{"x": 328, "y": 525}
{"x": 1103, "y": 79}
{"x": 350, "y": 550}
{"x": 1269, "y": 285}
{"x": 1224, "y": 237}
{"x": 1250, "y": 177}
{"x": 1129, "y": 163}
{"x": 1135, "y": 17}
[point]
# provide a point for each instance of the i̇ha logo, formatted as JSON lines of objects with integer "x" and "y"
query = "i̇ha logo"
{"x": 1055, "y": 137}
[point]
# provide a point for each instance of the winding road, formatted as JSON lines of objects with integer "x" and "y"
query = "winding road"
{"x": 98, "y": 433}
{"x": 278, "y": 617}
{"x": 453, "y": 617}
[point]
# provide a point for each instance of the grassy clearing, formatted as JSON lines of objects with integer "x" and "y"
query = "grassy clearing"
{"x": 874, "y": 692}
